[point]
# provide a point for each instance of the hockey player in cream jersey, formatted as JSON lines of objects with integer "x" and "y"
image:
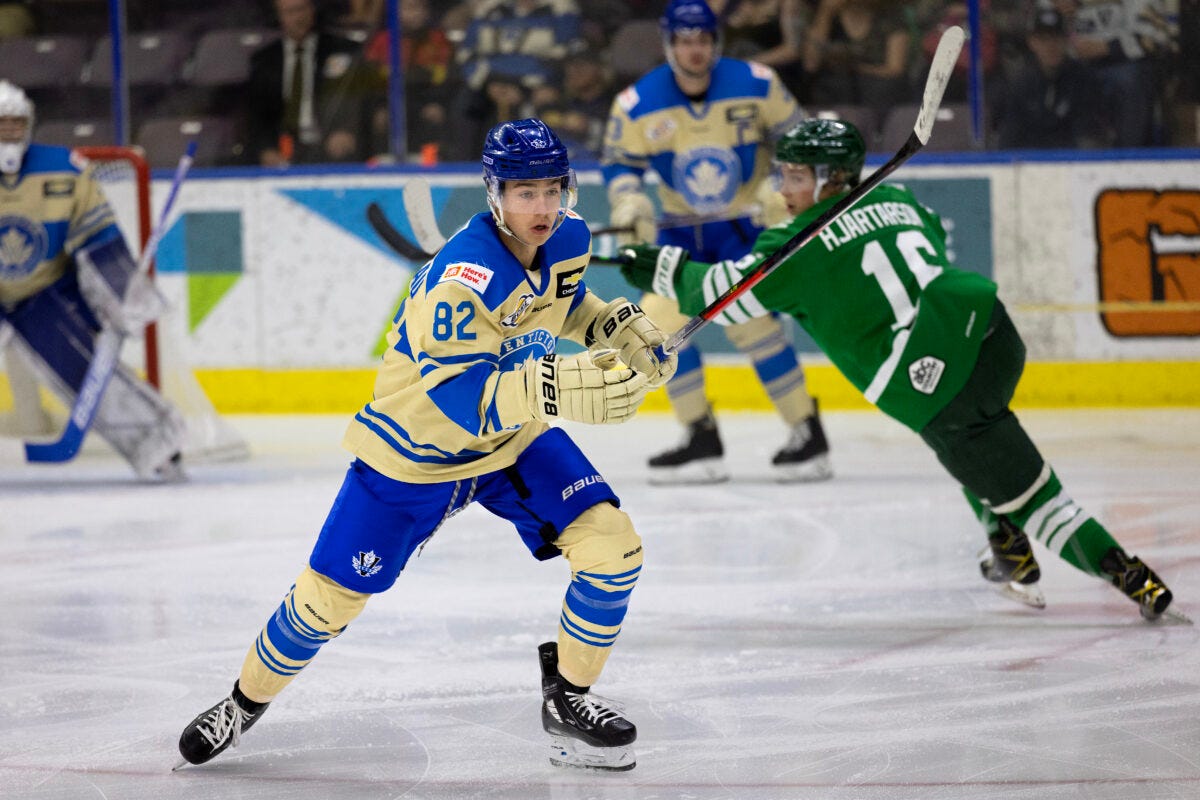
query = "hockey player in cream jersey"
{"x": 65, "y": 275}
{"x": 462, "y": 404}
{"x": 705, "y": 125}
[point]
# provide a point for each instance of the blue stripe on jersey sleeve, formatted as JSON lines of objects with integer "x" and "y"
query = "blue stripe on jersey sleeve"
{"x": 430, "y": 363}
{"x": 611, "y": 171}
{"x": 458, "y": 398}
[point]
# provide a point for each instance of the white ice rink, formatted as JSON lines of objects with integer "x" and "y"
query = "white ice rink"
{"x": 829, "y": 641}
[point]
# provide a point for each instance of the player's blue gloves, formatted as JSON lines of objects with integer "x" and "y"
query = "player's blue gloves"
{"x": 652, "y": 268}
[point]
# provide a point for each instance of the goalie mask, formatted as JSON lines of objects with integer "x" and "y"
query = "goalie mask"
{"x": 525, "y": 150}
{"x": 16, "y": 126}
{"x": 688, "y": 17}
{"x": 833, "y": 148}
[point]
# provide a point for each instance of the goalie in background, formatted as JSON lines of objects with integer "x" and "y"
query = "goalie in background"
{"x": 463, "y": 404}
{"x": 706, "y": 124}
{"x": 929, "y": 344}
{"x": 66, "y": 274}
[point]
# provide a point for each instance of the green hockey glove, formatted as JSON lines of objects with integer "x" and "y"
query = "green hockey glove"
{"x": 652, "y": 268}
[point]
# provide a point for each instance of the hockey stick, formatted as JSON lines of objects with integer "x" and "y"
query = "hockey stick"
{"x": 393, "y": 238}
{"x": 939, "y": 74}
{"x": 418, "y": 207}
{"x": 107, "y": 352}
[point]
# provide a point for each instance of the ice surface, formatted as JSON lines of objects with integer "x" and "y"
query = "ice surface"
{"x": 830, "y": 641}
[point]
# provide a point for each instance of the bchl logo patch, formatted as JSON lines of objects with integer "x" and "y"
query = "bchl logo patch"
{"x": 471, "y": 275}
{"x": 367, "y": 564}
{"x": 925, "y": 374}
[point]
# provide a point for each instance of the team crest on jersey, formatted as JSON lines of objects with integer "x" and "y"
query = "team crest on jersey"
{"x": 925, "y": 374}
{"x": 23, "y": 245}
{"x": 513, "y": 319}
{"x": 516, "y": 350}
{"x": 708, "y": 178}
{"x": 471, "y": 275}
{"x": 661, "y": 129}
{"x": 367, "y": 564}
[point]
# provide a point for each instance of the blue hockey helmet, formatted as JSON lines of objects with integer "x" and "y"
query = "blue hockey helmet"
{"x": 525, "y": 150}
{"x": 689, "y": 17}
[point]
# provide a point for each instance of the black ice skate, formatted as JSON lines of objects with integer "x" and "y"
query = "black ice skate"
{"x": 1008, "y": 561}
{"x": 1139, "y": 583}
{"x": 699, "y": 459}
{"x": 586, "y": 731}
{"x": 219, "y": 727}
{"x": 805, "y": 457}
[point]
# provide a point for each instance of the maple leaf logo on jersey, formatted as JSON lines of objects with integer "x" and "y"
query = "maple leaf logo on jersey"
{"x": 366, "y": 564}
{"x": 22, "y": 246}
{"x": 708, "y": 178}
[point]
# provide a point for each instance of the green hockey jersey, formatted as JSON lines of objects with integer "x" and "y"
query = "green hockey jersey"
{"x": 877, "y": 293}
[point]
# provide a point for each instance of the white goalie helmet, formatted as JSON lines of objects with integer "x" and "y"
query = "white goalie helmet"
{"x": 14, "y": 106}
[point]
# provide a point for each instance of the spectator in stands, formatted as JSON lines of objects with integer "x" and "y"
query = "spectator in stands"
{"x": 1125, "y": 41}
{"x": 956, "y": 14}
{"x": 306, "y": 100}
{"x": 857, "y": 52}
{"x": 579, "y": 112}
{"x": 430, "y": 77}
{"x": 512, "y": 41}
{"x": 770, "y": 32}
{"x": 16, "y": 19}
{"x": 1053, "y": 100}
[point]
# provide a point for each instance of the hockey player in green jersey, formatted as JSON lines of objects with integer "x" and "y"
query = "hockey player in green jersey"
{"x": 929, "y": 344}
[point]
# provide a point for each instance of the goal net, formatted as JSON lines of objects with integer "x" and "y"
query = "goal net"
{"x": 28, "y": 410}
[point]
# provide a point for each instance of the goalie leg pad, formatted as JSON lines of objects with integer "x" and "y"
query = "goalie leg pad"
{"x": 58, "y": 335}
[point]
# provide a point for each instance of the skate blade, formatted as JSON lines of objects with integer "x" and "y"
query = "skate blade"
{"x": 694, "y": 473}
{"x": 1029, "y": 594}
{"x": 183, "y": 762}
{"x": 1173, "y": 617}
{"x": 568, "y": 752}
{"x": 811, "y": 471}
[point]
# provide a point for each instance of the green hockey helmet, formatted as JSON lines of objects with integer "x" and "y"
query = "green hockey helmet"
{"x": 831, "y": 143}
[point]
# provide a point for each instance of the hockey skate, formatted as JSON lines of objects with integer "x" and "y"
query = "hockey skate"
{"x": 586, "y": 731}
{"x": 1008, "y": 562}
{"x": 805, "y": 457}
{"x": 698, "y": 460}
{"x": 1140, "y": 584}
{"x": 218, "y": 728}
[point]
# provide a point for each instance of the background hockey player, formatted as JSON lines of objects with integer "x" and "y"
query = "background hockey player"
{"x": 929, "y": 344}
{"x": 66, "y": 274}
{"x": 463, "y": 401}
{"x": 705, "y": 124}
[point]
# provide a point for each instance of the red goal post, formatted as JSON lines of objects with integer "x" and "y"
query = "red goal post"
{"x": 124, "y": 175}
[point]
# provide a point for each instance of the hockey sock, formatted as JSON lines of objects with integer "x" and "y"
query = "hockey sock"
{"x": 315, "y": 610}
{"x": 1054, "y": 519}
{"x": 982, "y": 512}
{"x": 764, "y": 341}
{"x": 605, "y": 554}
{"x": 686, "y": 390}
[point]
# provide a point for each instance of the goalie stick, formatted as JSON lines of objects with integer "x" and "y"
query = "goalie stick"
{"x": 107, "y": 352}
{"x": 939, "y": 74}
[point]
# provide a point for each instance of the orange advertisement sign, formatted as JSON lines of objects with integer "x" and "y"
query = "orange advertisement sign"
{"x": 1148, "y": 251}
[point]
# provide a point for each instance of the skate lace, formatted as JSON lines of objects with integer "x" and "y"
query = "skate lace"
{"x": 593, "y": 708}
{"x": 223, "y": 722}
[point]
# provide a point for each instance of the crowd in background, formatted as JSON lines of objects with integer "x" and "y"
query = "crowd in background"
{"x": 314, "y": 86}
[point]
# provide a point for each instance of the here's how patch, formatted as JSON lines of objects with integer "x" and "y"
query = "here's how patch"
{"x": 471, "y": 275}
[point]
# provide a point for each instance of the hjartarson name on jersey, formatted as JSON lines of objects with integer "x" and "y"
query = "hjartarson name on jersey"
{"x": 867, "y": 219}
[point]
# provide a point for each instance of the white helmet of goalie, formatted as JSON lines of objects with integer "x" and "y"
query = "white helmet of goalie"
{"x": 16, "y": 126}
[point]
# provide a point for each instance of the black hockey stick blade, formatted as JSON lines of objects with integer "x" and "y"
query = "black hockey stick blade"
{"x": 939, "y": 75}
{"x": 393, "y": 238}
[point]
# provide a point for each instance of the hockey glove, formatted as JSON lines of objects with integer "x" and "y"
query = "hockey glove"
{"x": 624, "y": 327}
{"x": 583, "y": 388}
{"x": 652, "y": 268}
{"x": 634, "y": 210}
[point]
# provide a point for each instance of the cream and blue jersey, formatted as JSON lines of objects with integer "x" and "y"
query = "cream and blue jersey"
{"x": 48, "y": 210}
{"x": 450, "y": 399}
{"x": 710, "y": 156}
